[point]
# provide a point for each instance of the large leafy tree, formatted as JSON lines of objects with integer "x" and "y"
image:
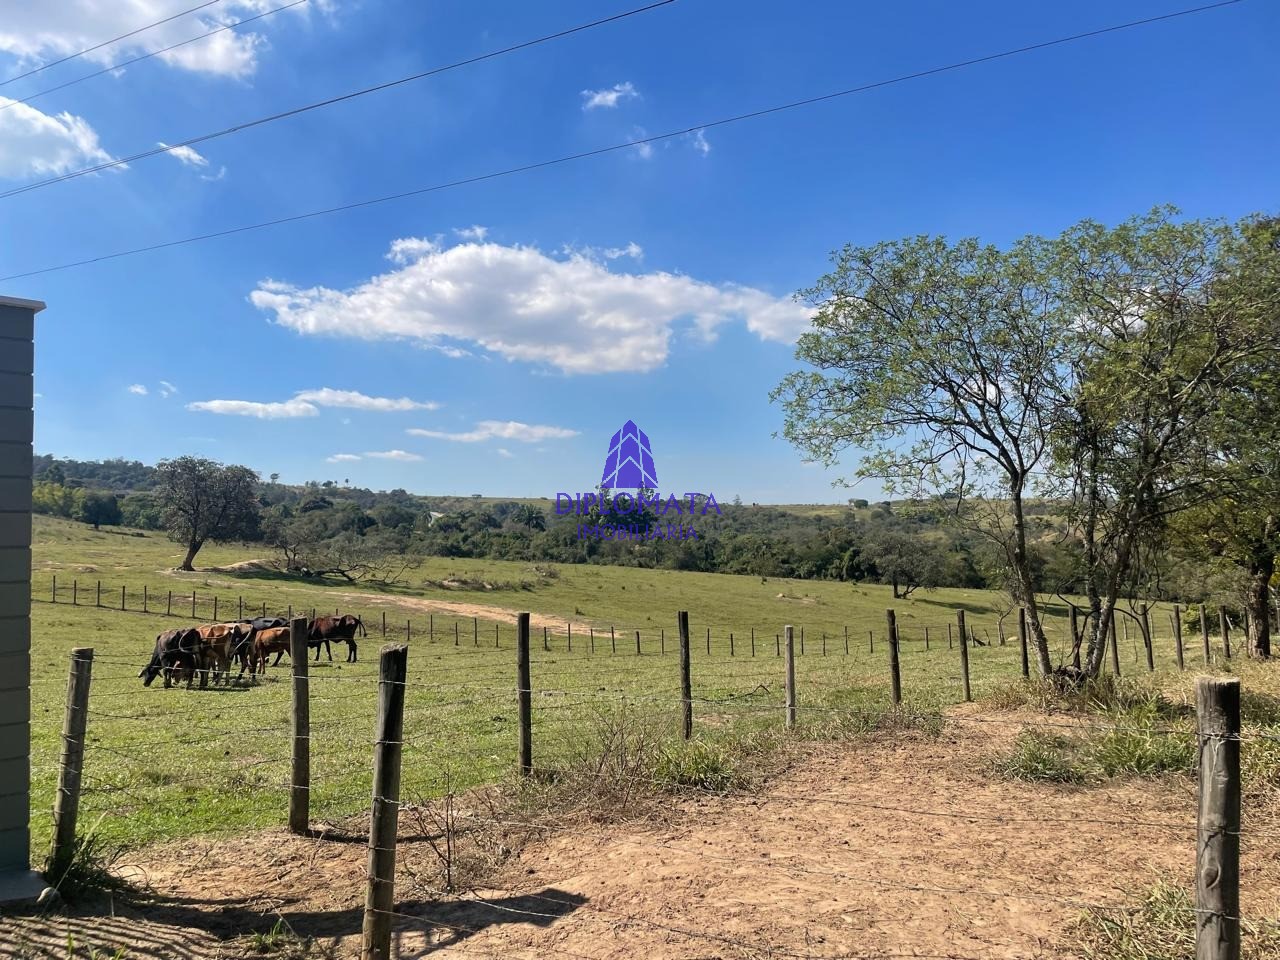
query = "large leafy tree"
{"x": 1162, "y": 351}
{"x": 1095, "y": 367}
{"x": 203, "y": 500}
{"x": 944, "y": 363}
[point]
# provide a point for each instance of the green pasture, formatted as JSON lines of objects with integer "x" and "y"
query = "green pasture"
{"x": 164, "y": 764}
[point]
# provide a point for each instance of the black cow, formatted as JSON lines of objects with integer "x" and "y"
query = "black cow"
{"x": 177, "y": 654}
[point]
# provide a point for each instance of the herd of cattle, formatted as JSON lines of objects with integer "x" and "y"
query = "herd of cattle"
{"x": 215, "y": 647}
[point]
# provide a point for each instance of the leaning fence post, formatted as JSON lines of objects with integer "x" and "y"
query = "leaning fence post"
{"x": 895, "y": 676}
{"x": 1218, "y": 823}
{"x": 1226, "y": 632}
{"x": 300, "y": 784}
{"x": 524, "y": 694}
{"x": 791, "y": 676}
{"x": 1022, "y": 642}
{"x": 686, "y": 681}
{"x": 67, "y": 801}
{"x": 964, "y": 655}
{"x": 1145, "y": 623}
{"x": 384, "y": 813}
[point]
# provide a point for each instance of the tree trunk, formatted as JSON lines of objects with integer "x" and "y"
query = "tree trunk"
{"x": 192, "y": 549}
{"x": 1260, "y": 571}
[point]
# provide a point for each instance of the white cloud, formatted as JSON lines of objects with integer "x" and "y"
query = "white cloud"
{"x": 473, "y": 232}
{"x": 250, "y": 408}
{"x": 34, "y": 143}
{"x": 645, "y": 150}
{"x": 343, "y": 458}
{"x": 572, "y": 312}
{"x": 700, "y": 142}
{"x": 504, "y": 452}
{"x": 610, "y": 96}
{"x": 167, "y": 389}
{"x": 215, "y": 177}
{"x": 305, "y": 403}
{"x": 37, "y": 32}
{"x": 499, "y": 430}
{"x": 38, "y": 396}
{"x": 138, "y": 388}
{"x": 402, "y": 455}
{"x": 351, "y": 399}
{"x": 187, "y": 156}
{"x": 409, "y": 249}
{"x": 632, "y": 250}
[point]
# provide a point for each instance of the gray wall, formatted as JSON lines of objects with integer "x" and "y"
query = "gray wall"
{"x": 16, "y": 354}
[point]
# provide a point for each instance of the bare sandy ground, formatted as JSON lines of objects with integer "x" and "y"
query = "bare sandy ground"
{"x": 894, "y": 846}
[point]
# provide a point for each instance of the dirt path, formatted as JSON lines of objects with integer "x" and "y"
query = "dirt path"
{"x": 893, "y": 846}
{"x": 557, "y": 626}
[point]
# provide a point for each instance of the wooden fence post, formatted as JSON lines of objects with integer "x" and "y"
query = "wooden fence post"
{"x": 591, "y": 632}
{"x": 384, "y": 623}
{"x": 637, "y": 643}
{"x": 431, "y": 627}
{"x": 384, "y": 814}
{"x": 215, "y": 608}
{"x": 708, "y": 641}
{"x": 53, "y": 594}
{"x": 1204, "y": 634}
{"x": 790, "y": 689}
{"x": 456, "y": 641}
{"x": 1145, "y": 624}
{"x": 98, "y": 600}
{"x": 686, "y": 680}
{"x": 300, "y": 783}
{"x": 802, "y": 641}
{"x": 544, "y": 639}
{"x": 168, "y": 606}
{"x": 871, "y": 640}
{"x": 240, "y": 605}
{"x": 524, "y": 694}
{"x": 731, "y": 643}
{"x": 895, "y": 675}
{"x": 1218, "y": 823}
{"x": 408, "y": 630}
{"x": 193, "y": 604}
{"x": 662, "y": 641}
{"x": 568, "y": 630}
{"x": 475, "y": 633}
{"x": 66, "y": 804}
{"x": 949, "y": 641}
{"x": 495, "y": 636}
{"x": 144, "y": 599}
{"x": 1022, "y": 642}
{"x": 613, "y": 640}
{"x": 824, "y": 644}
{"x": 122, "y": 598}
{"x": 1075, "y": 637}
{"x": 964, "y": 655}
{"x": 75, "y": 593}
{"x": 846, "y": 640}
{"x": 926, "y": 638}
{"x": 777, "y": 645}
{"x": 1115, "y": 645}
{"x": 1177, "y": 635}
{"x": 1226, "y": 631}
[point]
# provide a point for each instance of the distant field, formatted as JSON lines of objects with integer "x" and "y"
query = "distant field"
{"x": 171, "y": 763}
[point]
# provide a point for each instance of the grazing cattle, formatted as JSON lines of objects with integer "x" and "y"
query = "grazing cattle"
{"x": 176, "y": 655}
{"x": 324, "y": 630}
{"x": 223, "y": 643}
{"x": 266, "y": 642}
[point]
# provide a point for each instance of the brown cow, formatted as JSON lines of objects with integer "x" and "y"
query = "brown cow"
{"x": 223, "y": 643}
{"x": 266, "y": 642}
{"x": 341, "y": 629}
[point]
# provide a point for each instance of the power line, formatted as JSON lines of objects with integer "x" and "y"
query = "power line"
{"x": 295, "y": 111}
{"x": 107, "y": 43}
{"x": 613, "y": 148}
{"x": 146, "y": 56}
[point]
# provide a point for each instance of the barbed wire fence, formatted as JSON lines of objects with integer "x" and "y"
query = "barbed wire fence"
{"x": 434, "y": 724}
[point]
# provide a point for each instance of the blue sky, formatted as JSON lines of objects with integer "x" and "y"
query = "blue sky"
{"x": 400, "y": 346}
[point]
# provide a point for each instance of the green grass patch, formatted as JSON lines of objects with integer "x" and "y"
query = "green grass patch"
{"x": 1161, "y": 927}
{"x": 1042, "y": 758}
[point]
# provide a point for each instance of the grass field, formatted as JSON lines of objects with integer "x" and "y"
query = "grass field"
{"x": 172, "y": 763}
